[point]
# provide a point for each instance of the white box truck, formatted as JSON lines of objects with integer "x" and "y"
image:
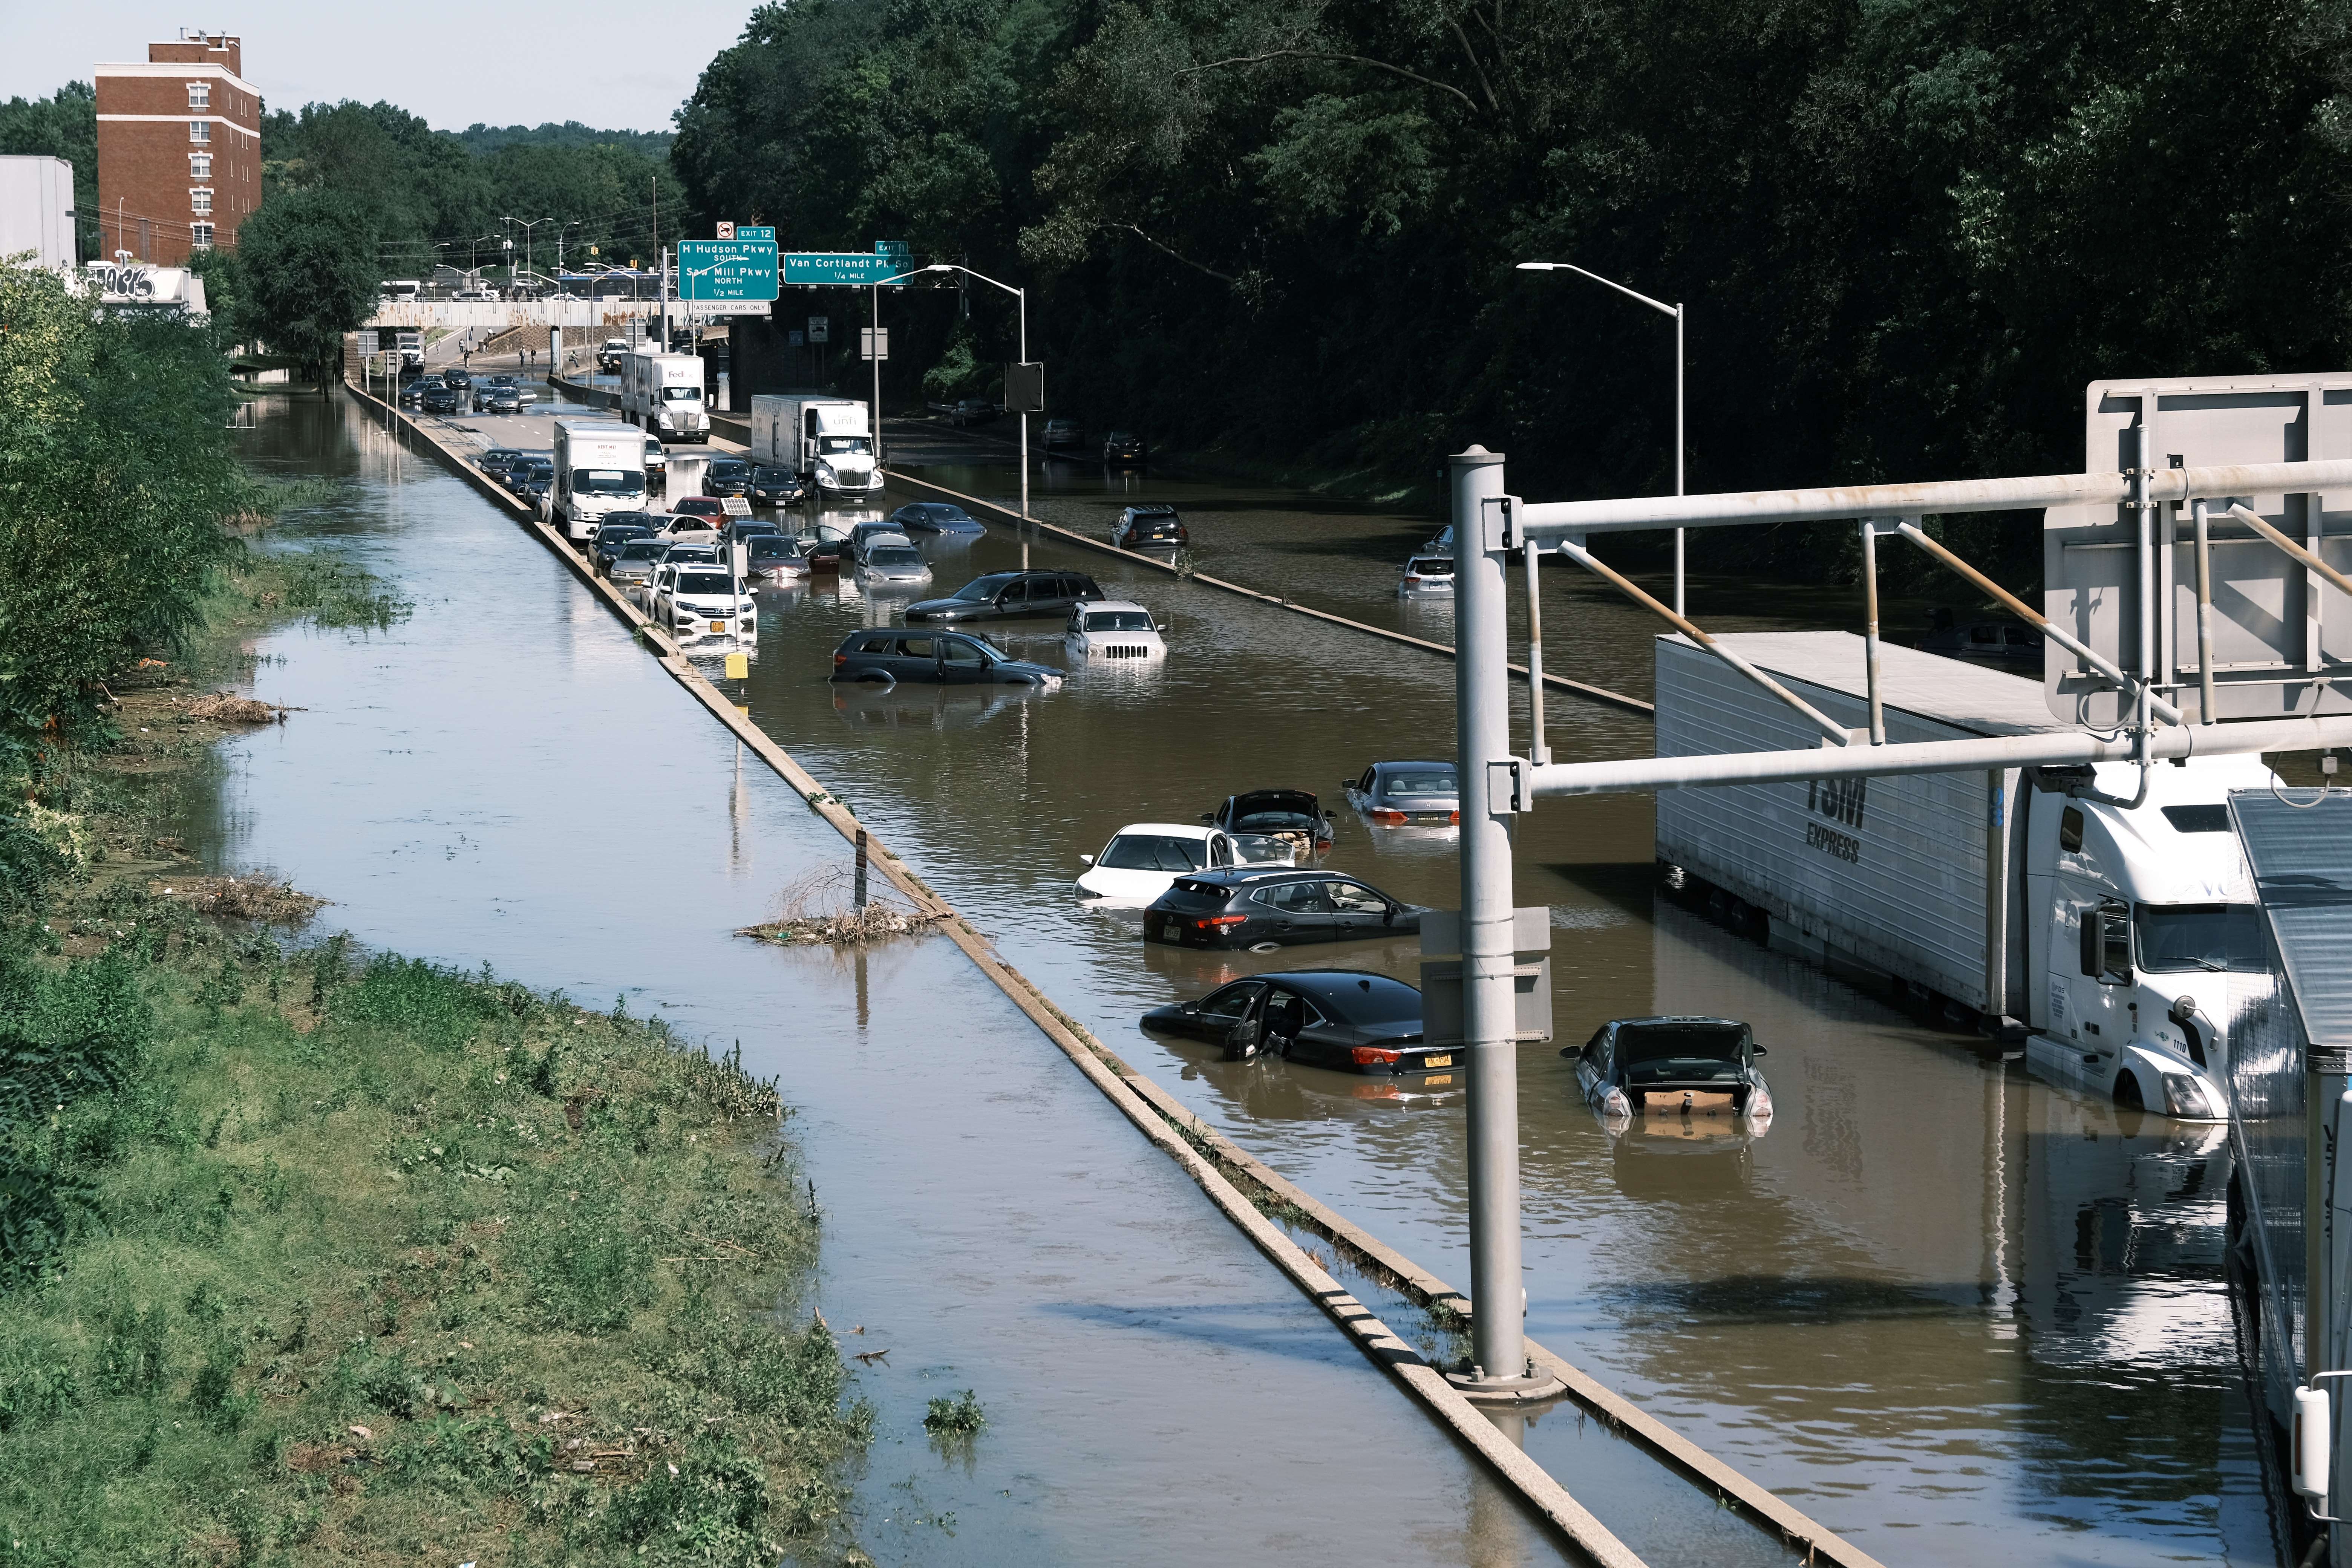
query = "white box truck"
{"x": 600, "y": 467}
{"x": 2058, "y": 906}
{"x": 827, "y": 441}
{"x": 663, "y": 394}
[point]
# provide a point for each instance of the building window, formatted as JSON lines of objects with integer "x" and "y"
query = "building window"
{"x": 200, "y": 95}
{"x": 200, "y": 234}
{"x": 200, "y": 200}
{"x": 200, "y": 130}
{"x": 200, "y": 166}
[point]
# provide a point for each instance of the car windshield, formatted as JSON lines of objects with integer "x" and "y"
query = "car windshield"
{"x": 1678, "y": 1051}
{"x": 729, "y": 469}
{"x": 1118, "y": 621}
{"x": 941, "y": 513}
{"x": 1258, "y": 849}
{"x": 766, "y": 476}
{"x": 772, "y": 547}
{"x": 607, "y": 482}
{"x": 1154, "y": 852}
{"x": 1374, "y": 999}
{"x": 836, "y": 444}
{"x": 2177, "y": 937}
{"x": 980, "y": 590}
{"x": 681, "y": 394}
{"x": 642, "y": 549}
{"x": 1432, "y": 566}
{"x": 703, "y": 583}
{"x": 1271, "y": 821}
{"x": 896, "y": 557}
{"x": 1429, "y": 781}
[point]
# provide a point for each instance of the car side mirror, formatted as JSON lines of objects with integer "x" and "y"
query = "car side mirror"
{"x": 1758, "y": 1051}
{"x": 1331, "y": 817}
{"x": 1208, "y": 817}
{"x": 1085, "y": 859}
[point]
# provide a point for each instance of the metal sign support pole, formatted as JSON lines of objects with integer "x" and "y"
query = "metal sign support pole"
{"x": 1482, "y": 693}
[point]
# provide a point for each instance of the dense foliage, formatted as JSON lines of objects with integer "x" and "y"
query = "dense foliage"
{"x": 306, "y": 273}
{"x": 117, "y": 481}
{"x": 1908, "y": 231}
{"x": 62, "y": 125}
{"x": 317, "y": 1260}
{"x": 438, "y": 196}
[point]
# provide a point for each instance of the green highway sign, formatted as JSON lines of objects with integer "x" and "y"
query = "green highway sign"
{"x": 818, "y": 269}
{"x": 896, "y": 252}
{"x": 756, "y": 231}
{"x": 726, "y": 269}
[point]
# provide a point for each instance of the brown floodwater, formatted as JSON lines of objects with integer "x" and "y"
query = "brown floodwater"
{"x": 1957, "y": 1315}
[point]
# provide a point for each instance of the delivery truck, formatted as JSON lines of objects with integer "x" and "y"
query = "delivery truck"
{"x": 663, "y": 394}
{"x": 2072, "y": 910}
{"x": 600, "y": 467}
{"x": 827, "y": 441}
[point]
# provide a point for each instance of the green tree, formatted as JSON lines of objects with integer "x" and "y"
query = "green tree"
{"x": 122, "y": 418}
{"x": 307, "y": 262}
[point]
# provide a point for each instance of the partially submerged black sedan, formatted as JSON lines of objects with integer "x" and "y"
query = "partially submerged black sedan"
{"x": 1329, "y": 1017}
{"x": 1243, "y": 906}
{"x": 1674, "y": 1066}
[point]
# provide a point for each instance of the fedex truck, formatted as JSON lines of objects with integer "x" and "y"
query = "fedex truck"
{"x": 825, "y": 440}
{"x": 600, "y": 467}
{"x": 663, "y": 394}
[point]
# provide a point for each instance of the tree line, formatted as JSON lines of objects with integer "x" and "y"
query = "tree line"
{"x": 1907, "y": 232}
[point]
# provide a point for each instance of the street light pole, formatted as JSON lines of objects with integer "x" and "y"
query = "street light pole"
{"x": 1663, "y": 308}
{"x": 1022, "y": 295}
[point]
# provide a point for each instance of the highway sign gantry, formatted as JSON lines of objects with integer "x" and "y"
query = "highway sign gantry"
{"x": 735, "y": 268}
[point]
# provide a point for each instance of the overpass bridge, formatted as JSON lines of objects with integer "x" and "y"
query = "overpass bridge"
{"x": 563, "y": 310}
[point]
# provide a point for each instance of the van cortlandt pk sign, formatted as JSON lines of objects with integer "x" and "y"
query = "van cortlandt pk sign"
{"x": 136, "y": 283}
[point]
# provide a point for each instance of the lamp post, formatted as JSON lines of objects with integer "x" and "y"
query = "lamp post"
{"x": 1663, "y": 308}
{"x": 527, "y": 225}
{"x": 1022, "y": 295}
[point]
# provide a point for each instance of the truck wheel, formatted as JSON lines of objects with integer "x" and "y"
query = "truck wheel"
{"x": 2128, "y": 1094}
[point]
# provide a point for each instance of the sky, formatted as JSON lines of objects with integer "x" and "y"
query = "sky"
{"x": 617, "y": 65}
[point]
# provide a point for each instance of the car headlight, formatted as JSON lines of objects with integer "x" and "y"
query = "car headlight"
{"x": 2183, "y": 1097}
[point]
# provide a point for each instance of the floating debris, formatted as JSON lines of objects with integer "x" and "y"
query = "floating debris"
{"x": 826, "y": 908}
{"x": 269, "y": 899}
{"x": 228, "y": 707}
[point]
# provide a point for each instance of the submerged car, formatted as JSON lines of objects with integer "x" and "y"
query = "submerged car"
{"x": 499, "y": 399}
{"x": 947, "y": 659}
{"x": 1113, "y": 629}
{"x": 700, "y": 506}
{"x": 1399, "y": 794}
{"x": 696, "y": 601}
{"x": 633, "y": 561}
{"x": 1149, "y": 527}
{"x": 1426, "y": 577}
{"x": 774, "y": 486}
{"x": 1060, "y": 433}
{"x": 1009, "y": 596}
{"x": 1329, "y": 1017}
{"x": 943, "y": 518}
{"x": 1673, "y": 1066}
{"x": 773, "y": 557}
{"x": 1144, "y": 857}
{"x": 726, "y": 477}
{"x": 891, "y": 559}
{"x": 1242, "y": 908}
{"x": 1292, "y": 813}
{"x": 606, "y": 547}
{"x": 1123, "y": 447}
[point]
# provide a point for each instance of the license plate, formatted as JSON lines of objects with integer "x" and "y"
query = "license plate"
{"x": 719, "y": 625}
{"x": 1434, "y": 1082}
{"x": 1437, "y": 1061}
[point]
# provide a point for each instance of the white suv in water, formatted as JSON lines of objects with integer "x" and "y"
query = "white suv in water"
{"x": 1102, "y": 629}
{"x": 1144, "y": 857}
{"x": 693, "y": 600}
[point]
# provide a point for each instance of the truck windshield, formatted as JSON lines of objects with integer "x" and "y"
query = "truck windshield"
{"x": 681, "y": 394}
{"x": 833, "y": 443}
{"x": 2176, "y": 938}
{"x": 607, "y": 482}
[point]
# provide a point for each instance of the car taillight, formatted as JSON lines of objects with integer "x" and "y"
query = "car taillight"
{"x": 1213, "y": 922}
{"x": 1373, "y": 1055}
{"x": 839, "y": 660}
{"x": 1391, "y": 817}
{"x": 1455, "y": 817}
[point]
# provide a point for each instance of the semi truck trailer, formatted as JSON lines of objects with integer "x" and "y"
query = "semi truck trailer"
{"x": 827, "y": 441}
{"x": 2065, "y": 908}
{"x": 663, "y": 394}
{"x": 600, "y": 467}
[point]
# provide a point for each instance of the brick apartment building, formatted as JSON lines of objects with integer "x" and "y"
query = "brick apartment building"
{"x": 179, "y": 149}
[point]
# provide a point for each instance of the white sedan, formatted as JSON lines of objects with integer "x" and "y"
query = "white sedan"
{"x": 1105, "y": 629}
{"x": 1144, "y": 857}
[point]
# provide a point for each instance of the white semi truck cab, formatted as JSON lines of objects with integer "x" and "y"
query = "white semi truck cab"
{"x": 828, "y": 441}
{"x": 600, "y": 468}
{"x": 663, "y": 393}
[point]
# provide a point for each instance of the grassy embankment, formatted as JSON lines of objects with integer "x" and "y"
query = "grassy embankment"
{"x": 311, "y": 1256}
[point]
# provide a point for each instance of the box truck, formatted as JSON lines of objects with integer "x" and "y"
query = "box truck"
{"x": 600, "y": 467}
{"x": 663, "y": 394}
{"x": 2064, "y": 908}
{"x": 825, "y": 440}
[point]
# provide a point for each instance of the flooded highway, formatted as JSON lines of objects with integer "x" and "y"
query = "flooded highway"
{"x": 1955, "y": 1314}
